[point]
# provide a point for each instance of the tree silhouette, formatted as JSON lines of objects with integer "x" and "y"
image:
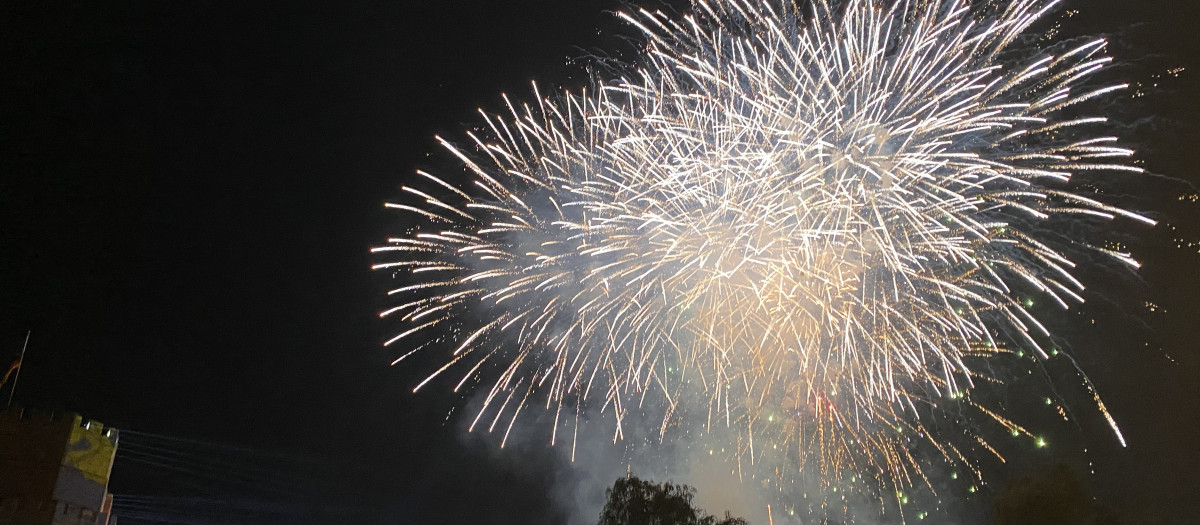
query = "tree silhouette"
{"x": 633, "y": 501}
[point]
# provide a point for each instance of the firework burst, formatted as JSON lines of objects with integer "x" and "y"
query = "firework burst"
{"x": 820, "y": 221}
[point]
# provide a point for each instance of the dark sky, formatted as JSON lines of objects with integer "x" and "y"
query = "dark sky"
{"x": 189, "y": 191}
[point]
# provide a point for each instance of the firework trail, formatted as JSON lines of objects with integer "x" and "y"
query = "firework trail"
{"x": 821, "y": 220}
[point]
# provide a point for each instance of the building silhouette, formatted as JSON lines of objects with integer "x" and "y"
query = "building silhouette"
{"x": 54, "y": 469}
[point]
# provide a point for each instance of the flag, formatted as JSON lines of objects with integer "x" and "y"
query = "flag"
{"x": 11, "y": 368}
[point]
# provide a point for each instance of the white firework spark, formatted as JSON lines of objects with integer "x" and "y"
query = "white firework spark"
{"x": 820, "y": 220}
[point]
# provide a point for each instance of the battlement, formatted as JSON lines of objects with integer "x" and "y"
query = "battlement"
{"x": 34, "y": 417}
{"x": 31, "y": 420}
{"x": 96, "y": 428}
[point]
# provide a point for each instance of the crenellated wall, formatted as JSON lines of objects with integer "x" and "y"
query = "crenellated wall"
{"x": 54, "y": 469}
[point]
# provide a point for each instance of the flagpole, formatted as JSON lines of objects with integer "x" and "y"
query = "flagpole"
{"x": 20, "y": 363}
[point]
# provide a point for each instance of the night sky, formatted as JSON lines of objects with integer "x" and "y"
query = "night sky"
{"x": 189, "y": 191}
